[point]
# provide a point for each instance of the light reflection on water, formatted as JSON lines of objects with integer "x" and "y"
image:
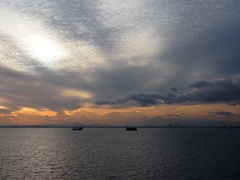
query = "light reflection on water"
{"x": 33, "y": 153}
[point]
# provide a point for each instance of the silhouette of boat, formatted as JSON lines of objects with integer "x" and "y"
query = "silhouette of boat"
{"x": 77, "y": 128}
{"x": 131, "y": 129}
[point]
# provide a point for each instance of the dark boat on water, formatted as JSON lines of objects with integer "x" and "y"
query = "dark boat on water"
{"x": 77, "y": 128}
{"x": 131, "y": 129}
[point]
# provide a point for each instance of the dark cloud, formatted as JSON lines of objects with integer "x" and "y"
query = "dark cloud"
{"x": 174, "y": 115}
{"x": 221, "y": 113}
{"x": 225, "y": 90}
{"x": 233, "y": 103}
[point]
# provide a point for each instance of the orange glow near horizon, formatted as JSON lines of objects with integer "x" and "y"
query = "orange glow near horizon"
{"x": 35, "y": 112}
{"x": 109, "y": 115}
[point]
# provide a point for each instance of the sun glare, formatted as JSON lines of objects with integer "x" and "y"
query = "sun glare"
{"x": 43, "y": 49}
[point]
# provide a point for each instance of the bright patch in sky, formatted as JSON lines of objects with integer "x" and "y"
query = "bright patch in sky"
{"x": 43, "y": 49}
{"x": 32, "y": 37}
{"x": 80, "y": 93}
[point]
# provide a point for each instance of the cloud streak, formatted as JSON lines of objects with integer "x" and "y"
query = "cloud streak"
{"x": 221, "y": 113}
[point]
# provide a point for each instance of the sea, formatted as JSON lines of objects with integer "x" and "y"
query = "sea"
{"x": 114, "y": 153}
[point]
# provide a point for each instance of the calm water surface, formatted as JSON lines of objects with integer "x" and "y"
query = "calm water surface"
{"x": 32, "y": 153}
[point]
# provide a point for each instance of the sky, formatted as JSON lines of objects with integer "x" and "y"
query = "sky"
{"x": 117, "y": 62}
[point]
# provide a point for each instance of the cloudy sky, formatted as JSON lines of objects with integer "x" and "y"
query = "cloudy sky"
{"x": 119, "y": 62}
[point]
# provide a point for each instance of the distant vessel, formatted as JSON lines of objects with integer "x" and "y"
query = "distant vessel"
{"x": 131, "y": 129}
{"x": 77, "y": 128}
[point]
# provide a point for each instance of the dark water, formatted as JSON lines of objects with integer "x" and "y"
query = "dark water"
{"x": 118, "y": 154}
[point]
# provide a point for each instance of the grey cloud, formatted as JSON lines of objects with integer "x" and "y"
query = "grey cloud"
{"x": 201, "y": 84}
{"x": 22, "y": 90}
{"x": 206, "y": 37}
{"x": 5, "y": 111}
{"x": 38, "y": 96}
{"x": 142, "y": 98}
{"x": 173, "y": 89}
{"x": 82, "y": 20}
